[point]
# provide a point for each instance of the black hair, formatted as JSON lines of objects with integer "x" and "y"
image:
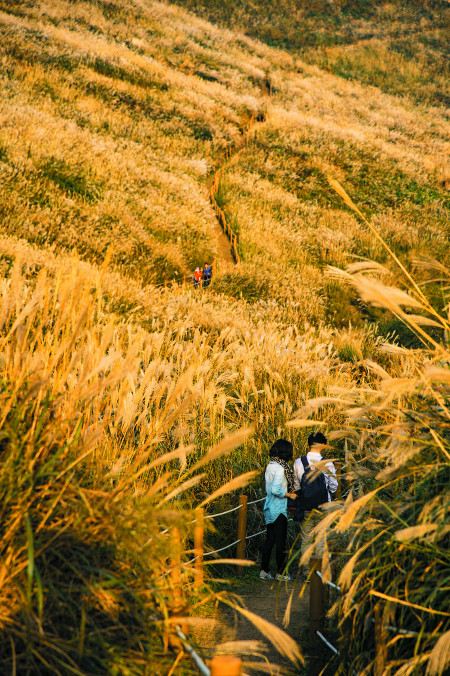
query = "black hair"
{"x": 316, "y": 438}
{"x": 283, "y": 449}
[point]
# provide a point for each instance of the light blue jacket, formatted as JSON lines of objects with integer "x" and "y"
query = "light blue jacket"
{"x": 276, "y": 488}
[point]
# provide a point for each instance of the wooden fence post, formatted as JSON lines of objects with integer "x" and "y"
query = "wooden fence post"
{"x": 198, "y": 546}
{"x": 177, "y": 607}
{"x": 226, "y": 665}
{"x": 175, "y": 565}
{"x": 316, "y": 614}
{"x": 380, "y": 643}
{"x": 242, "y": 531}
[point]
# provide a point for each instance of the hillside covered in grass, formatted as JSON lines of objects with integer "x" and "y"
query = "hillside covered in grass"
{"x": 111, "y": 128}
{"x": 400, "y": 47}
{"x": 128, "y": 399}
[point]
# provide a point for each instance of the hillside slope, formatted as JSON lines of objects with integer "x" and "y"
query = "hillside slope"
{"x": 401, "y": 47}
{"x": 112, "y": 119}
{"x": 128, "y": 398}
{"x": 107, "y": 134}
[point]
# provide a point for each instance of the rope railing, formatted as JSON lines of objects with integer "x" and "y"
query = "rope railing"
{"x": 228, "y": 511}
{"x": 327, "y": 643}
{"x": 215, "y": 516}
{"x": 199, "y": 551}
{"x": 253, "y": 502}
{"x": 317, "y": 611}
{"x": 249, "y": 537}
{"x": 203, "y": 669}
{"x": 318, "y": 598}
{"x": 217, "y": 551}
{"x": 221, "y": 665}
{"x": 403, "y": 632}
{"x": 317, "y": 587}
{"x": 328, "y": 582}
{"x": 232, "y": 544}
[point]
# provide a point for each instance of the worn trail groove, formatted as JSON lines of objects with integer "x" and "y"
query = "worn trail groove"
{"x": 227, "y": 240}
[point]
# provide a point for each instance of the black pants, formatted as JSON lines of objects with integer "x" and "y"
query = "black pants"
{"x": 276, "y": 535}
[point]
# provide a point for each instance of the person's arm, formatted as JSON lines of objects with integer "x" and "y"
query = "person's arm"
{"x": 278, "y": 485}
{"x": 298, "y": 473}
{"x": 330, "y": 478}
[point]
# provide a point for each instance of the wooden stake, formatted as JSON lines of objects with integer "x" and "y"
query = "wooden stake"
{"x": 380, "y": 643}
{"x": 198, "y": 546}
{"x": 176, "y": 606}
{"x": 242, "y": 531}
{"x": 175, "y": 565}
{"x": 316, "y": 614}
{"x": 226, "y": 665}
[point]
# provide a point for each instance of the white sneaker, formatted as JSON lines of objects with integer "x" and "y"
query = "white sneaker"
{"x": 265, "y": 576}
{"x": 283, "y": 578}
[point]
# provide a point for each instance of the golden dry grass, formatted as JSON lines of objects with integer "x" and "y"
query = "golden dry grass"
{"x": 108, "y": 418}
{"x": 111, "y": 119}
{"x": 390, "y": 534}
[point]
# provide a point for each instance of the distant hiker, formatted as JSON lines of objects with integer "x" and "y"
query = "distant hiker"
{"x": 279, "y": 487}
{"x": 313, "y": 492}
{"x": 206, "y": 274}
{"x": 197, "y": 277}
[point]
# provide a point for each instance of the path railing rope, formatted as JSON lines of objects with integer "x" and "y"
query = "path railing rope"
{"x": 222, "y": 665}
{"x": 242, "y": 530}
{"x": 318, "y": 608}
{"x": 199, "y": 550}
{"x": 317, "y": 612}
{"x": 317, "y": 601}
{"x": 228, "y": 511}
{"x": 178, "y": 608}
{"x": 222, "y": 549}
{"x": 254, "y": 502}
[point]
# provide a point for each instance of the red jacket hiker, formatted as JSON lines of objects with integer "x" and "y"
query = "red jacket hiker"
{"x": 197, "y": 276}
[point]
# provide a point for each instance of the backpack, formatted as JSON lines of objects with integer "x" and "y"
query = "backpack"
{"x": 312, "y": 493}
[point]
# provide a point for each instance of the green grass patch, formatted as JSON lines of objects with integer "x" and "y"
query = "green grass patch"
{"x": 3, "y": 152}
{"x": 72, "y": 180}
{"x": 396, "y": 65}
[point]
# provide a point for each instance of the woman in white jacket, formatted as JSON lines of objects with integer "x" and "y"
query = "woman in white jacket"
{"x": 279, "y": 487}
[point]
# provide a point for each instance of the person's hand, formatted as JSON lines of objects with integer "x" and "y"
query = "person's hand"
{"x": 293, "y": 496}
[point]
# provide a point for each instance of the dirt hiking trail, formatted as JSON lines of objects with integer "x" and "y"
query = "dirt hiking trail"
{"x": 268, "y": 600}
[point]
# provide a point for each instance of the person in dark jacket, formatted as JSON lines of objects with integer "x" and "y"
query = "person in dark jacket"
{"x": 317, "y": 442}
{"x": 206, "y": 274}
